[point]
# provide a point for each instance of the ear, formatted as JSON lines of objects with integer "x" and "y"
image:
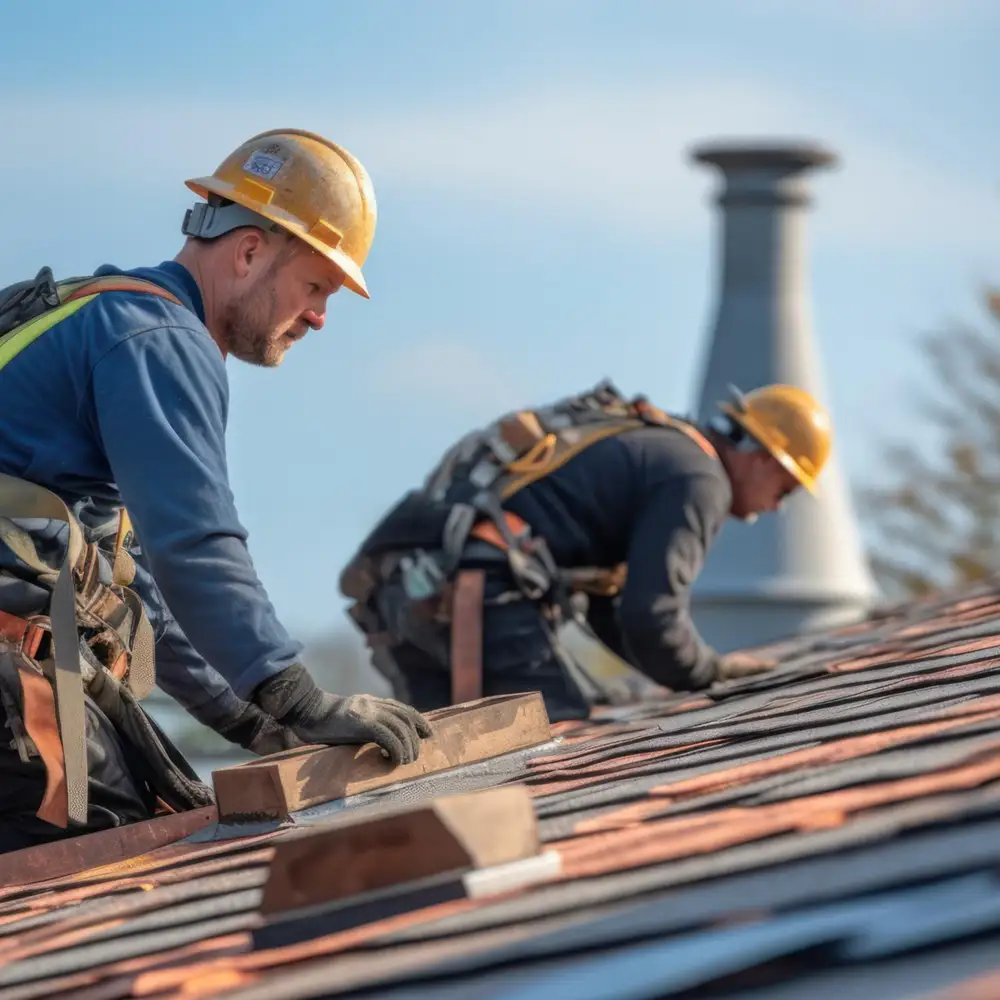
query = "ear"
{"x": 248, "y": 251}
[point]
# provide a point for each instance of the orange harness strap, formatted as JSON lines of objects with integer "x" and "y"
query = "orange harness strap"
{"x": 40, "y": 719}
{"x": 116, "y": 283}
{"x": 656, "y": 416}
{"x": 467, "y": 636}
{"x": 467, "y": 602}
{"x": 21, "y": 633}
{"x": 41, "y": 724}
{"x": 487, "y": 531}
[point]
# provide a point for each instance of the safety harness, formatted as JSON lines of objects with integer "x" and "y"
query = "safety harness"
{"x": 94, "y": 634}
{"x": 421, "y": 541}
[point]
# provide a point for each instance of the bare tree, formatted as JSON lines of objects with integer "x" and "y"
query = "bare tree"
{"x": 936, "y": 516}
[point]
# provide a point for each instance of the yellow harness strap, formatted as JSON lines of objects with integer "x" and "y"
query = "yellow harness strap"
{"x": 21, "y": 499}
{"x": 559, "y": 451}
{"x": 74, "y": 296}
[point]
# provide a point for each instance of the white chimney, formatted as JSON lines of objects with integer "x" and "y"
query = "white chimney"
{"x": 804, "y": 568}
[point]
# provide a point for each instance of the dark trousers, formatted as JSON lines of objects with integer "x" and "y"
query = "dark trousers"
{"x": 517, "y": 651}
{"x": 118, "y": 794}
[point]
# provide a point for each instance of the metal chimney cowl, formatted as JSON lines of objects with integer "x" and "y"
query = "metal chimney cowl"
{"x": 802, "y": 569}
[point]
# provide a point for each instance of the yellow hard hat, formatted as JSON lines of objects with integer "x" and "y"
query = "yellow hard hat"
{"x": 790, "y": 424}
{"x": 301, "y": 183}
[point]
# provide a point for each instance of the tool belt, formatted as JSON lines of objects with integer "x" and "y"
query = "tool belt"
{"x": 94, "y": 638}
{"x": 613, "y": 681}
{"x": 423, "y": 541}
{"x": 456, "y": 607}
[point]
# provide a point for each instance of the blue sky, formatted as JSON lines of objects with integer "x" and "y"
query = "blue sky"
{"x": 540, "y": 225}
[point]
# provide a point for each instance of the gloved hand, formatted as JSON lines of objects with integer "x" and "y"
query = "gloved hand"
{"x": 317, "y": 716}
{"x": 257, "y": 732}
{"x": 734, "y": 665}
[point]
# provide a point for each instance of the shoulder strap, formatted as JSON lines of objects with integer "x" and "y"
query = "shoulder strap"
{"x": 81, "y": 287}
{"x": 654, "y": 415}
{"x": 73, "y": 295}
{"x": 560, "y": 449}
{"x": 21, "y": 499}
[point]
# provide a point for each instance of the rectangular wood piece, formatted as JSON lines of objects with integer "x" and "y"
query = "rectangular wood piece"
{"x": 361, "y": 850}
{"x": 275, "y": 786}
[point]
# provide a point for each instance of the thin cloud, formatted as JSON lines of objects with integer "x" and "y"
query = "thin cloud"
{"x": 446, "y": 373}
{"x": 607, "y": 160}
{"x": 890, "y": 15}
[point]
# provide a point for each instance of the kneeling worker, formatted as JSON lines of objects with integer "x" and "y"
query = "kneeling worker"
{"x": 115, "y": 396}
{"x": 470, "y": 586}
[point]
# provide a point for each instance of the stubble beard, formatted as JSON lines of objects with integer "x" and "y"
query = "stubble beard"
{"x": 249, "y": 324}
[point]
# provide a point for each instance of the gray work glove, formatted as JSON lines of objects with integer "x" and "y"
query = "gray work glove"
{"x": 256, "y": 731}
{"x": 735, "y": 665}
{"x": 317, "y": 716}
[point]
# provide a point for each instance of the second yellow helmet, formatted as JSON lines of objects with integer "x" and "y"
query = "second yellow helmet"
{"x": 790, "y": 424}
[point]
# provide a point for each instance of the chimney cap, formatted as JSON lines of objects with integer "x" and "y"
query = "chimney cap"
{"x": 747, "y": 155}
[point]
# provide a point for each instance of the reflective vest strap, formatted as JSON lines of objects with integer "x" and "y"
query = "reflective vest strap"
{"x": 16, "y": 340}
{"x": 11, "y": 344}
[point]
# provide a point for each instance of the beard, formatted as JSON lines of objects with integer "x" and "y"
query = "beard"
{"x": 249, "y": 325}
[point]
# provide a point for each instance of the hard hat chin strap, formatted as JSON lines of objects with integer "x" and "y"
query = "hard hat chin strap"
{"x": 734, "y": 433}
{"x": 217, "y": 217}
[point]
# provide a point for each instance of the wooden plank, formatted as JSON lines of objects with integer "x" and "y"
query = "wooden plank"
{"x": 369, "y": 849}
{"x": 73, "y": 855}
{"x": 273, "y": 787}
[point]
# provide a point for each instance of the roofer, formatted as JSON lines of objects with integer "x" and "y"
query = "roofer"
{"x": 115, "y": 392}
{"x": 472, "y": 584}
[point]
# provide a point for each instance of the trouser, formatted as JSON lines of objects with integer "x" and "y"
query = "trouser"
{"x": 517, "y": 652}
{"x": 119, "y": 790}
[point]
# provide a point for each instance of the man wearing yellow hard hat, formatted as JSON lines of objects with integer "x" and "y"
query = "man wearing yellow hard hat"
{"x": 114, "y": 399}
{"x": 475, "y": 583}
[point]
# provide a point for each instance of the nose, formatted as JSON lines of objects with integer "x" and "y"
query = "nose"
{"x": 314, "y": 319}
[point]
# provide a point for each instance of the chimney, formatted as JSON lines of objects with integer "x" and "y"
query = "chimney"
{"x": 801, "y": 569}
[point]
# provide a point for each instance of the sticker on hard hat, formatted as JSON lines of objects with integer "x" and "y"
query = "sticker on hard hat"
{"x": 263, "y": 165}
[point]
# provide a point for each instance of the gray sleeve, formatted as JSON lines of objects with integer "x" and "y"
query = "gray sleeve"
{"x": 672, "y": 533}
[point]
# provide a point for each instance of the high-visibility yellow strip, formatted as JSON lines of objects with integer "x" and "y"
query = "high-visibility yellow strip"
{"x": 17, "y": 340}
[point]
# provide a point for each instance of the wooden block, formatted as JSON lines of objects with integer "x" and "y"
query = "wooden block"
{"x": 382, "y": 846}
{"x": 462, "y": 734}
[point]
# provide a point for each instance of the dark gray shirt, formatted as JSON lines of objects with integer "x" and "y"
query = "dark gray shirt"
{"x": 652, "y": 498}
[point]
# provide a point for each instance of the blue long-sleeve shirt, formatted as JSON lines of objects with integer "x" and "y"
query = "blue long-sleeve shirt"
{"x": 126, "y": 402}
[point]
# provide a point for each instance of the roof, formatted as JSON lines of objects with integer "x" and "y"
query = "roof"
{"x": 832, "y": 826}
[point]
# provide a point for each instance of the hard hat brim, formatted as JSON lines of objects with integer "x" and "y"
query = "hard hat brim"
{"x": 353, "y": 278}
{"x": 759, "y": 434}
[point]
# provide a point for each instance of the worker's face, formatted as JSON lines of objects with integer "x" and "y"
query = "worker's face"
{"x": 762, "y": 485}
{"x": 280, "y": 295}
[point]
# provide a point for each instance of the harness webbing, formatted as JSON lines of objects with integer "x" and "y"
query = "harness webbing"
{"x": 22, "y": 499}
{"x": 79, "y": 294}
